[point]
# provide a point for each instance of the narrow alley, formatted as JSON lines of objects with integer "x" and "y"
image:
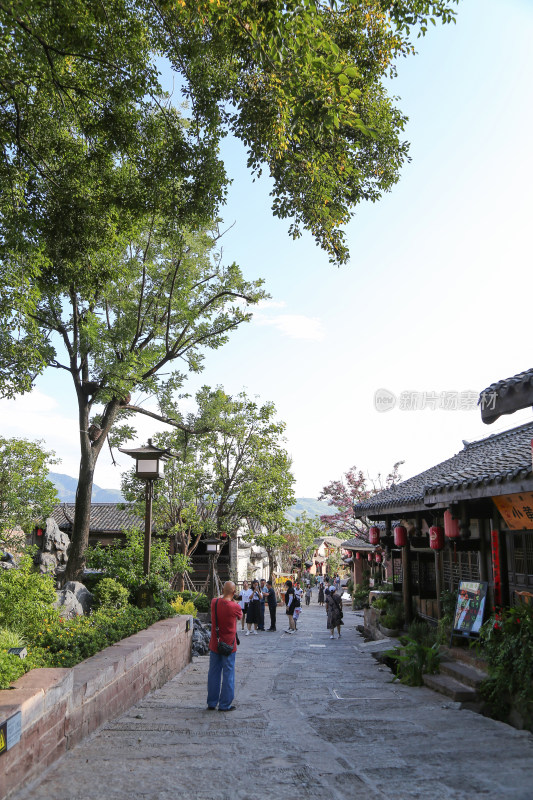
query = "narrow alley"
{"x": 315, "y": 718}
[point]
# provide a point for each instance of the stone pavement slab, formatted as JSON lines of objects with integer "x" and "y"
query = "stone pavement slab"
{"x": 315, "y": 718}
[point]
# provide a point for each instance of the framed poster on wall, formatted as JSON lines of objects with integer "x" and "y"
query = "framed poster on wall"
{"x": 470, "y": 607}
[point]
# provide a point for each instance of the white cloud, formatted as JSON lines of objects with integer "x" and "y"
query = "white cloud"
{"x": 295, "y": 326}
{"x": 270, "y": 304}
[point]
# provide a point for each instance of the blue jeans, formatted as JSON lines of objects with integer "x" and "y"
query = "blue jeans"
{"x": 220, "y": 667}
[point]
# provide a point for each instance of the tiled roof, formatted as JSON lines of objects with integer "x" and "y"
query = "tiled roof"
{"x": 357, "y": 544}
{"x": 105, "y": 517}
{"x": 506, "y": 396}
{"x": 500, "y": 458}
{"x": 507, "y": 383}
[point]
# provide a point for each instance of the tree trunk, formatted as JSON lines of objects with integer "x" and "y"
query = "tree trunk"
{"x": 82, "y": 510}
{"x": 270, "y": 564}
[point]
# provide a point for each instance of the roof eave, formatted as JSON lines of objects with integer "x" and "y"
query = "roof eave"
{"x": 443, "y": 499}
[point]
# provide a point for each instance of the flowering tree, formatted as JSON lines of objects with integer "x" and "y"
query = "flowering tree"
{"x": 353, "y": 488}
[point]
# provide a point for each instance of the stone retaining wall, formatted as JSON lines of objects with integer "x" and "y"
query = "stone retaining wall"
{"x": 61, "y": 706}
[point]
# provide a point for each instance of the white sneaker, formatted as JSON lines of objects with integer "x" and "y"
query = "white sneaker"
{"x": 254, "y": 633}
{"x": 331, "y": 637}
{"x": 247, "y": 633}
{"x": 289, "y": 631}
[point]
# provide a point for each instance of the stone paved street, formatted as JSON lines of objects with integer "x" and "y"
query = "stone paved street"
{"x": 315, "y": 719}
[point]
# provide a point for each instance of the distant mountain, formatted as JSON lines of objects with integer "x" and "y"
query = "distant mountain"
{"x": 312, "y": 507}
{"x": 66, "y": 489}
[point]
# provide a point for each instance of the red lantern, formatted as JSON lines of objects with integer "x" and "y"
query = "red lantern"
{"x": 400, "y": 536}
{"x": 370, "y": 556}
{"x": 39, "y": 531}
{"x": 436, "y": 538}
{"x": 451, "y": 526}
{"x": 358, "y": 556}
{"x": 373, "y": 535}
{"x": 378, "y": 558}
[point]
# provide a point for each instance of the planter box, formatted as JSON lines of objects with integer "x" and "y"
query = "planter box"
{"x": 59, "y": 707}
{"x": 391, "y": 632}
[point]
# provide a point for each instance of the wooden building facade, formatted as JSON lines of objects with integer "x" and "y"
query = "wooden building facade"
{"x": 483, "y": 498}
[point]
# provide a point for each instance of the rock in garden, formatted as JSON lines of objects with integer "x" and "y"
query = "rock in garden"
{"x": 68, "y": 604}
{"x": 201, "y": 635}
{"x": 47, "y": 562}
{"x": 55, "y": 541}
{"x": 83, "y": 595}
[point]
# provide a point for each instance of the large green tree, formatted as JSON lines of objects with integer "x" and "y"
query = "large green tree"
{"x": 27, "y": 495}
{"x": 229, "y": 464}
{"x": 300, "y": 83}
{"x": 244, "y": 453}
{"x": 298, "y": 547}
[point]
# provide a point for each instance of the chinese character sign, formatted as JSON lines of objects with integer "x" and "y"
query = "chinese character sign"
{"x": 516, "y": 509}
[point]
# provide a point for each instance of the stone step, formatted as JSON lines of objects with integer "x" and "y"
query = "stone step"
{"x": 451, "y": 687}
{"x": 464, "y": 673}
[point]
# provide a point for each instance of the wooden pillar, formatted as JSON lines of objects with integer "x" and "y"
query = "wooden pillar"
{"x": 406, "y": 583}
{"x": 484, "y": 545}
{"x": 438, "y": 581}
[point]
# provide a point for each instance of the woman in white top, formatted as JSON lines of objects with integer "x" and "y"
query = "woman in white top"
{"x": 244, "y": 599}
{"x": 253, "y": 616}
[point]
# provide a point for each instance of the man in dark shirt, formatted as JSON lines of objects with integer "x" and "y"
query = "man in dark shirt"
{"x": 271, "y": 600}
{"x": 221, "y": 676}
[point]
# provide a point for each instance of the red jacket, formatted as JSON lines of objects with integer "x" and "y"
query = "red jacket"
{"x": 228, "y": 612}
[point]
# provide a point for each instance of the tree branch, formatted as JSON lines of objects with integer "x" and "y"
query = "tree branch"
{"x": 166, "y": 420}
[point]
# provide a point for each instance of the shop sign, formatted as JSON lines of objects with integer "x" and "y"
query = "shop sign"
{"x": 516, "y": 509}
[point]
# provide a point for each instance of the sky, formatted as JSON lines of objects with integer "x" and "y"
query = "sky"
{"x": 434, "y": 305}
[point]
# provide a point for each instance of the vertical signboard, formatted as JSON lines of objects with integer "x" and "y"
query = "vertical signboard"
{"x": 496, "y": 574}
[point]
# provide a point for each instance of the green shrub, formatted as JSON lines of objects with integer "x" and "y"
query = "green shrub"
{"x": 109, "y": 593}
{"x": 181, "y": 606}
{"x": 414, "y": 659}
{"x": 123, "y": 561}
{"x": 380, "y": 602}
{"x": 507, "y": 645}
{"x": 201, "y": 603}
{"x": 67, "y": 642}
{"x": 10, "y": 638}
{"x": 420, "y": 631}
{"x": 26, "y": 597}
{"x": 11, "y": 669}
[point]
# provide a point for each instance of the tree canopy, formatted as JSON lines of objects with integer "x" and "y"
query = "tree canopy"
{"x": 299, "y": 83}
{"x": 354, "y": 487}
{"x": 27, "y": 496}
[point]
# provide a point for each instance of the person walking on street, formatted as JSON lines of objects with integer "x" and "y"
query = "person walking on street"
{"x": 253, "y": 616}
{"x": 244, "y": 598}
{"x": 334, "y": 611}
{"x": 298, "y": 594}
{"x": 272, "y": 603}
{"x": 308, "y": 592}
{"x": 290, "y": 603}
{"x": 321, "y": 594}
{"x": 264, "y": 593}
{"x": 221, "y": 676}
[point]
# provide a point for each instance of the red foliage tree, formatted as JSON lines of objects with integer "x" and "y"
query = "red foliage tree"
{"x": 353, "y": 488}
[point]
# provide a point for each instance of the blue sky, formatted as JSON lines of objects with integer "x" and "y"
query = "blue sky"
{"x": 436, "y": 296}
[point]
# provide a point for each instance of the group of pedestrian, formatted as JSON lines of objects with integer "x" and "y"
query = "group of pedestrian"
{"x": 252, "y": 600}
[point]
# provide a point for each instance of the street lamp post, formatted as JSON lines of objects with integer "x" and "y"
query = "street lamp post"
{"x": 149, "y": 465}
{"x": 213, "y": 548}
